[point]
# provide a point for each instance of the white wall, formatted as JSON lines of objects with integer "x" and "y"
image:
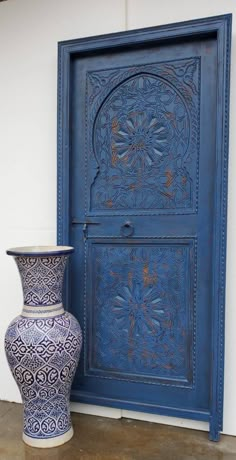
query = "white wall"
{"x": 29, "y": 32}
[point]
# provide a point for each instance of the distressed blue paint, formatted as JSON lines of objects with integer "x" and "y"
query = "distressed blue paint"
{"x": 149, "y": 122}
{"x": 142, "y": 307}
{"x": 96, "y": 187}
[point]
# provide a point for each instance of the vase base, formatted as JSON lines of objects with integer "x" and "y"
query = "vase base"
{"x": 51, "y": 442}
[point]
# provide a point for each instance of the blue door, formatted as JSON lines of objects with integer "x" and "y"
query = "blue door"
{"x": 142, "y": 201}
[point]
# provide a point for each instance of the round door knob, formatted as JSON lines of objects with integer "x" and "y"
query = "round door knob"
{"x": 127, "y": 229}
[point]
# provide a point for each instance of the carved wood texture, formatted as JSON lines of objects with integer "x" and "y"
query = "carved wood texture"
{"x": 143, "y": 137}
{"x": 143, "y": 311}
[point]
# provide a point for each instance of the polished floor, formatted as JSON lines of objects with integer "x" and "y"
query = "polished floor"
{"x": 99, "y": 438}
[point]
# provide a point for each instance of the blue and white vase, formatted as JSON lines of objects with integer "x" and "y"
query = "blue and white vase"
{"x": 43, "y": 346}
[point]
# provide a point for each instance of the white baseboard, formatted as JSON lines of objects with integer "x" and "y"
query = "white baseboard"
{"x": 110, "y": 412}
{"x": 164, "y": 420}
{"x": 95, "y": 410}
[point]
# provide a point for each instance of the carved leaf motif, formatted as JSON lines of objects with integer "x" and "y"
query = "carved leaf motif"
{"x": 144, "y": 137}
{"x": 140, "y": 310}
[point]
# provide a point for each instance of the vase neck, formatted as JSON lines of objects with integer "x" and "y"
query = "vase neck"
{"x": 42, "y": 280}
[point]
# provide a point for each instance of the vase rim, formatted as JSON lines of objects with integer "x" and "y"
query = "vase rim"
{"x": 31, "y": 251}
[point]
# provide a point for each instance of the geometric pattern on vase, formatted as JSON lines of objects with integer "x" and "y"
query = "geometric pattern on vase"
{"x": 43, "y": 352}
{"x": 42, "y": 279}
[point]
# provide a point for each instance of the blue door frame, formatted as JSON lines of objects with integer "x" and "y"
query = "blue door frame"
{"x": 218, "y": 28}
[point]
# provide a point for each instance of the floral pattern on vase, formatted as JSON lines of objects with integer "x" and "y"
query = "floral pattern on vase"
{"x": 43, "y": 347}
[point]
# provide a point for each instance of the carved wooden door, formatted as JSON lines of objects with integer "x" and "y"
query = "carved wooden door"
{"x": 142, "y": 181}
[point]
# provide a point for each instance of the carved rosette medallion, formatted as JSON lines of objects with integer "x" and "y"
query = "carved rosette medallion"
{"x": 144, "y": 124}
{"x": 143, "y": 312}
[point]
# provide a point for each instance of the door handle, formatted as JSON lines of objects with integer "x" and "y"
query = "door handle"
{"x": 127, "y": 229}
{"x": 85, "y": 225}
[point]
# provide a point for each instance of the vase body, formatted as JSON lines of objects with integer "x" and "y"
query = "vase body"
{"x": 43, "y": 346}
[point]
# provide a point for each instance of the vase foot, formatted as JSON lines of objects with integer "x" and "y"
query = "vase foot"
{"x": 50, "y": 442}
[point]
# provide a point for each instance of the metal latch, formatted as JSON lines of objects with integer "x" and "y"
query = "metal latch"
{"x": 85, "y": 225}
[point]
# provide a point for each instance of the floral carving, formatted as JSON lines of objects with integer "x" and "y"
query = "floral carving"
{"x": 143, "y": 126}
{"x": 140, "y": 315}
{"x": 140, "y": 138}
{"x": 138, "y": 307}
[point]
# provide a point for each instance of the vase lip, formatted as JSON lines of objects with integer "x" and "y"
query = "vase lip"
{"x": 34, "y": 251}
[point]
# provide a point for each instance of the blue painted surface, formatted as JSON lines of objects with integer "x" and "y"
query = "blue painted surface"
{"x": 143, "y": 155}
{"x": 141, "y": 312}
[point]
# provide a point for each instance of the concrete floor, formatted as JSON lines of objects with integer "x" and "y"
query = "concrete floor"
{"x": 99, "y": 438}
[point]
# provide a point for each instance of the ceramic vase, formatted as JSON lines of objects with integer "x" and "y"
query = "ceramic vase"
{"x": 43, "y": 346}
